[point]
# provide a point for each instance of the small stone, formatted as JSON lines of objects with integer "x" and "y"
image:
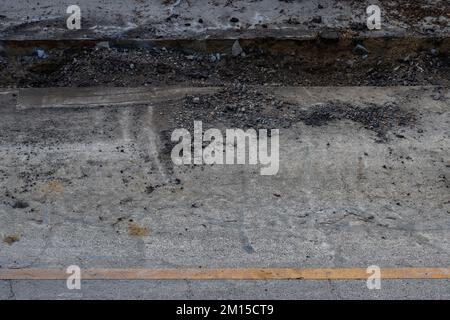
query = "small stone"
{"x": 41, "y": 54}
{"x": 437, "y": 96}
{"x": 196, "y": 100}
{"x": 234, "y": 20}
{"x": 215, "y": 57}
{"x": 149, "y": 189}
{"x": 236, "y": 50}
{"x": 360, "y": 49}
{"x": 330, "y": 35}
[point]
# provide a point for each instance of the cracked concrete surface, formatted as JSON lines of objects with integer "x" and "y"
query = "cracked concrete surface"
{"x": 214, "y": 18}
{"x": 72, "y": 180}
{"x": 91, "y": 183}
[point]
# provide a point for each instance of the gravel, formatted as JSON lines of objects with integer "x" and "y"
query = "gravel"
{"x": 240, "y": 106}
{"x": 277, "y": 63}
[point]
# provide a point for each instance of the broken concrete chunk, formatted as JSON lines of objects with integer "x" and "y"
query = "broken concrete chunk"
{"x": 236, "y": 50}
{"x": 215, "y": 57}
{"x": 41, "y": 54}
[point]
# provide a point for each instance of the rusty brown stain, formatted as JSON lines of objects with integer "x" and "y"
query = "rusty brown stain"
{"x": 360, "y": 169}
{"x": 136, "y": 230}
{"x": 11, "y": 239}
{"x": 53, "y": 186}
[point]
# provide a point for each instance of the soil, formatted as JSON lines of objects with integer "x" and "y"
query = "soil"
{"x": 11, "y": 239}
{"x": 315, "y": 63}
{"x": 135, "y": 230}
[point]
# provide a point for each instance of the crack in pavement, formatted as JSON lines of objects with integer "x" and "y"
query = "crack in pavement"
{"x": 12, "y": 294}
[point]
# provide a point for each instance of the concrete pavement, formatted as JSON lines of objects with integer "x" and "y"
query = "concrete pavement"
{"x": 93, "y": 186}
{"x": 183, "y": 19}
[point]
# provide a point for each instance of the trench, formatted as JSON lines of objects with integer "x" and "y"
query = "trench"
{"x": 327, "y": 60}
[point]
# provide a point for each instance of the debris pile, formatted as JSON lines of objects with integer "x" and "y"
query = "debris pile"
{"x": 246, "y": 63}
{"x": 240, "y": 106}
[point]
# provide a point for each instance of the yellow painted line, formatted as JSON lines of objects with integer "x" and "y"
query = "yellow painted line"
{"x": 226, "y": 274}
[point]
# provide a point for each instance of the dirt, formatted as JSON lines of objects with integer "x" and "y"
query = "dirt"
{"x": 135, "y": 230}
{"x": 53, "y": 186}
{"x": 245, "y": 107}
{"x": 241, "y": 106}
{"x": 315, "y": 63}
{"x": 378, "y": 118}
{"x": 9, "y": 240}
